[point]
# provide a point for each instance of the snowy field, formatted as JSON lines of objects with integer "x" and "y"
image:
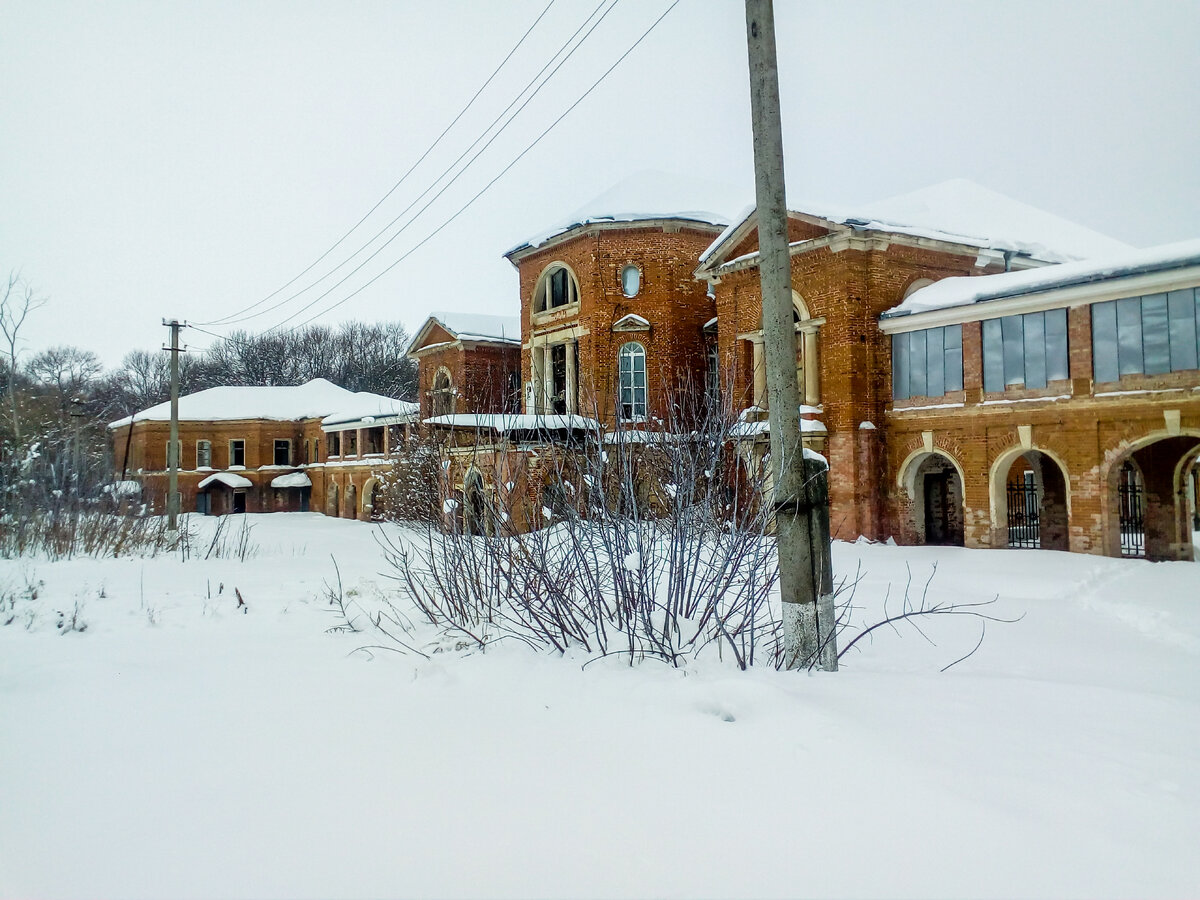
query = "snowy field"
{"x": 179, "y": 747}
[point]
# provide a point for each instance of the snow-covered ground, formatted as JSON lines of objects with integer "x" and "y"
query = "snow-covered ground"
{"x": 181, "y": 748}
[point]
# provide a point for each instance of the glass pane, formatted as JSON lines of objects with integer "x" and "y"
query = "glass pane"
{"x": 916, "y": 367}
{"x": 631, "y": 279}
{"x": 558, "y": 287}
{"x": 1182, "y": 313}
{"x": 1057, "y": 366}
{"x": 1129, "y": 335}
{"x": 935, "y": 362}
{"x": 954, "y": 375}
{"x": 993, "y": 356}
{"x": 1034, "y": 325}
{"x": 899, "y": 366}
{"x": 1104, "y": 342}
{"x": 1156, "y": 343}
{"x": 1014, "y": 350}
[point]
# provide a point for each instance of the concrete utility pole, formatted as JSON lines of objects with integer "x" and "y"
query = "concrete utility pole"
{"x": 800, "y": 486}
{"x": 173, "y": 440}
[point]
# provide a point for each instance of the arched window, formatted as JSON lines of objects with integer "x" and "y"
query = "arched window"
{"x": 557, "y": 287}
{"x": 631, "y": 363}
{"x": 442, "y": 395}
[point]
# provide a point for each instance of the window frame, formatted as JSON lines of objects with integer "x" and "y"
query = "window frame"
{"x": 1123, "y": 346}
{"x": 543, "y": 291}
{"x": 208, "y": 446}
{"x": 637, "y": 279}
{"x": 232, "y": 442}
{"x": 914, "y": 366}
{"x": 287, "y": 442}
{"x": 632, "y": 410}
{"x": 1022, "y": 351}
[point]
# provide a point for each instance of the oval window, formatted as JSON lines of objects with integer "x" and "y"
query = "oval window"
{"x": 631, "y": 280}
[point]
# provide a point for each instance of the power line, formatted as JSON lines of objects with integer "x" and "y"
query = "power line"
{"x": 470, "y": 202}
{"x": 403, "y": 177}
{"x": 487, "y": 186}
{"x": 444, "y": 173}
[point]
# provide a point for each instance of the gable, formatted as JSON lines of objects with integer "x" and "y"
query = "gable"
{"x": 431, "y": 334}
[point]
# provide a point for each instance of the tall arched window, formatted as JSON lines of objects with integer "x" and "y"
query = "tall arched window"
{"x": 442, "y": 395}
{"x": 631, "y": 363}
{"x": 556, "y": 287}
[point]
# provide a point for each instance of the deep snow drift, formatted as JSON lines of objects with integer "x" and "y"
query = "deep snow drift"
{"x": 179, "y": 747}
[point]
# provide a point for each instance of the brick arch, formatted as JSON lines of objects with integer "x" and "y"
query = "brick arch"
{"x": 904, "y": 477}
{"x": 1163, "y": 540}
{"x": 913, "y": 500}
{"x": 369, "y": 496}
{"x": 998, "y": 485}
{"x": 915, "y": 284}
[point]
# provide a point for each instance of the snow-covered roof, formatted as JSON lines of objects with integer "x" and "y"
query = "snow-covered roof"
{"x": 365, "y": 405}
{"x": 646, "y": 197}
{"x": 962, "y": 212}
{"x": 962, "y": 291}
{"x": 229, "y": 479}
{"x": 478, "y": 327}
{"x": 224, "y": 404}
{"x": 291, "y": 480}
{"x": 504, "y": 422}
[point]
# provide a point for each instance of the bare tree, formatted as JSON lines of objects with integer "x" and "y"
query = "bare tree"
{"x": 17, "y": 300}
{"x": 67, "y": 371}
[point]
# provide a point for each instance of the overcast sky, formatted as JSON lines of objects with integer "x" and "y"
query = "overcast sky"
{"x": 188, "y": 159}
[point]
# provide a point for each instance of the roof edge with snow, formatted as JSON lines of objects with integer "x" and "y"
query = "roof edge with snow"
{"x": 965, "y": 291}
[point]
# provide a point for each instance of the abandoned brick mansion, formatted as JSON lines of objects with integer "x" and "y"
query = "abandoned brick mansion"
{"x": 976, "y": 371}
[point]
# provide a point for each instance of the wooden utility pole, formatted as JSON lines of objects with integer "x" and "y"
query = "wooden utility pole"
{"x": 173, "y": 440}
{"x": 800, "y": 485}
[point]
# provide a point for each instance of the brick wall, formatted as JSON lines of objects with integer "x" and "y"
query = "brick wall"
{"x": 669, "y": 297}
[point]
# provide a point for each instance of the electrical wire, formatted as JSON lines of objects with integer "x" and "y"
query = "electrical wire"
{"x": 466, "y": 205}
{"x": 444, "y": 173}
{"x": 488, "y": 186}
{"x": 403, "y": 177}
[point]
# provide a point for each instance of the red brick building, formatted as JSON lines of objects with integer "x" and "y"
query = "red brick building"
{"x": 925, "y": 454}
{"x": 612, "y": 317}
{"x": 468, "y": 363}
{"x": 624, "y": 315}
{"x": 266, "y": 449}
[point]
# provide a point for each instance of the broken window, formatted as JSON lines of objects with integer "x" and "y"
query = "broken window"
{"x": 203, "y": 454}
{"x": 237, "y": 453}
{"x": 556, "y": 288}
{"x": 283, "y": 452}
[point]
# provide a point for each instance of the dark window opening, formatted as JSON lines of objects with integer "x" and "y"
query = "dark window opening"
{"x": 237, "y": 453}
{"x": 373, "y": 440}
{"x": 558, "y": 375}
{"x": 283, "y": 453}
{"x": 560, "y": 288}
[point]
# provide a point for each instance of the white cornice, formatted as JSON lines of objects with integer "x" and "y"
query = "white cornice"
{"x": 846, "y": 238}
